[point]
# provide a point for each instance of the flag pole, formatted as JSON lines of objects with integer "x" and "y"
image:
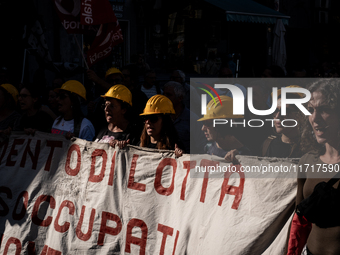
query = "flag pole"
{"x": 23, "y": 67}
{"x": 81, "y": 51}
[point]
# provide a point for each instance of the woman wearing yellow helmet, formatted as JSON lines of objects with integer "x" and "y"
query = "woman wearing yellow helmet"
{"x": 71, "y": 122}
{"x": 159, "y": 131}
{"x": 120, "y": 129}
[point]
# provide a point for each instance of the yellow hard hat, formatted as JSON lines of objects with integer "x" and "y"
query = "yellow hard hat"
{"x": 119, "y": 92}
{"x": 113, "y": 70}
{"x": 218, "y": 111}
{"x": 11, "y": 90}
{"x": 291, "y": 86}
{"x": 158, "y": 104}
{"x": 74, "y": 87}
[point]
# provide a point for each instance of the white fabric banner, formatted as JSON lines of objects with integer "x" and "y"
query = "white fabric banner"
{"x": 63, "y": 197}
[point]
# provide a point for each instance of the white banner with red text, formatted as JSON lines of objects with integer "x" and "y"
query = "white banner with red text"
{"x": 77, "y": 197}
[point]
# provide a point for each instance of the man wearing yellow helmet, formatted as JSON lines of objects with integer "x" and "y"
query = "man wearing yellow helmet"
{"x": 224, "y": 140}
{"x": 9, "y": 118}
{"x": 117, "y": 108}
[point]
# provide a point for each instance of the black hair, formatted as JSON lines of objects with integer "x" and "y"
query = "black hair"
{"x": 169, "y": 136}
{"x": 124, "y": 105}
{"x": 77, "y": 113}
{"x": 35, "y": 92}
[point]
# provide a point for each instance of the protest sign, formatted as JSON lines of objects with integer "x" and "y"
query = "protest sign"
{"x": 78, "y": 197}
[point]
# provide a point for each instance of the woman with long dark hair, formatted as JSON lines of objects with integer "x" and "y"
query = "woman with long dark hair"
{"x": 319, "y": 234}
{"x": 159, "y": 131}
{"x": 71, "y": 122}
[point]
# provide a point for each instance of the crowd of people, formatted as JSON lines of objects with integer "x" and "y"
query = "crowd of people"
{"x": 125, "y": 111}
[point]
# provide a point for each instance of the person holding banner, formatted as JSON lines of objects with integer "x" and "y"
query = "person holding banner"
{"x": 71, "y": 122}
{"x": 224, "y": 140}
{"x": 287, "y": 142}
{"x": 113, "y": 76}
{"x": 117, "y": 107}
{"x": 159, "y": 131}
{"x": 317, "y": 231}
{"x": 33, "y": 118}
{"x": 9, "y": 118}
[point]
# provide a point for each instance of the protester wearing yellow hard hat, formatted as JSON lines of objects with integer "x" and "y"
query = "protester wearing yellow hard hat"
{"x": 74, "y": 87}
{"x": 71, "y": 121}
{"x": 119, "y": 92}
{"x": 158, "y": 104}
{"x": 216, "y": 110}
{"x": 159, "y": 131}
{"x": 114, "y": 76}
{"x": 121, "y": 129}
{"x": 223, "y": 139}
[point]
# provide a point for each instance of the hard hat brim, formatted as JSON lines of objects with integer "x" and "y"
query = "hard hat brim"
{"x": 152, "y": 113}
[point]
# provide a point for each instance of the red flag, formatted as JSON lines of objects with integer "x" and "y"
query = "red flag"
{"x": 108, "y": 36}
{"x": 96, "y": 12}
{"x": 69, "y": 15}
{"x": 83, "y": 17}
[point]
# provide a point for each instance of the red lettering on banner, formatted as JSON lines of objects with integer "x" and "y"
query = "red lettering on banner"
{"x": 5, "y": 146}
{"x": 5, "y": 207}
{"x": 45, "y": 251}
{"x": 233, "y": 190}
{"x": 186, "y": 165}
{"x": 38, "y": 202}
{"x": 167, "y": 231}
{"x": 95, "y": 154}
{"x": 63, "y": 228}
{"x": 104, "y": 229}
{"x": 206, "y": 163}
{"x": 135, "y": 240}
{"x": 16, "y": 242}
{"x": 13, "y": 151}
{"x": 112, "y": 171}
{"x": 51, "y": 251}
{"x": 132, "y": 184}
{"x": 31, "y": 248}
{"x": 53, "y": 145}
{"x": 19, "y": 216}
{"x": 158, "y": 179}
{"x": 79, "y": 233}
{"x": 175, "y": 244}
{"x": 68, "y": 169}
{"x": 28, "y": 151}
